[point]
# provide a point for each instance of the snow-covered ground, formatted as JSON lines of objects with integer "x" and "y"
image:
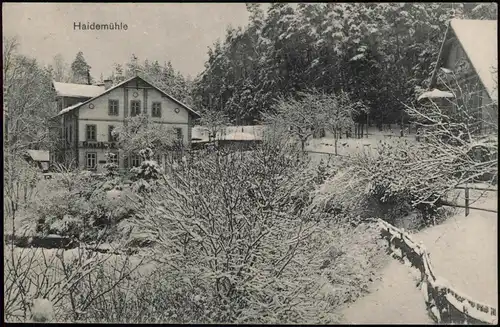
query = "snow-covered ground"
{"x": 352, "y": 145}
{"x": 463, "y": 251}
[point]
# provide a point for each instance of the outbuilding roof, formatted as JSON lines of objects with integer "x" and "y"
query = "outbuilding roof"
{"x": 39, "y": 155}
{"x": 77, "y": 90}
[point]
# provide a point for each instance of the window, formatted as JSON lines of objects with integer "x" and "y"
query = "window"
{"x": 178, "y": 132}
{"x": 135, "y": 107}
{"x": 111, "y": 137}
{"x": 91, "y": 132}
{"x": 156, "y": 112}
{"x": 113, "y": 158}
{"x": 91, "y": 161}
{"x": 113, "y": 107}
{"x": 70, "y": 133}
{"x": 136, "y": 161}
{"x": 66, "y": 133}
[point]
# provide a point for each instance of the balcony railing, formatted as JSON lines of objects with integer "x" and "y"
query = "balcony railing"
{"x": 97, "y": 145}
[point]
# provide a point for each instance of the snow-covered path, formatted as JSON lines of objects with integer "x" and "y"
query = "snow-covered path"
{"x": 463, "y": 251}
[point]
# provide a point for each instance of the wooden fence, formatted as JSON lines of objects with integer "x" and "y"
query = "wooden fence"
{"x": 467, "y": 199}
{"x": 444, "y": 303}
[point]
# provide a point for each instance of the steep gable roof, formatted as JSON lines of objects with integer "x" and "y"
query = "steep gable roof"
{"x": 77, "y": 90}
{"x": 478, "y": 39}
{"x": 103, "y": 92}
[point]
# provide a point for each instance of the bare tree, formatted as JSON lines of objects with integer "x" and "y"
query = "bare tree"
{"x": 300, "y": 117}
{"x": 340, "y": 114}
{"x": 314, "y": 111}
{"x": 61, "y": 71}
{"x": 29, "y": 97}
{"x": 461, "y": 132}
{"x": 214, "y": 122}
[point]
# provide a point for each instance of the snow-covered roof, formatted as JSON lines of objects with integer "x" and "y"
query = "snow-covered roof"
{"x": 435, "y": 94}
{"x": 39, "y": 155}
{"x": 70, "y": 108}
{"x": 478, "y": 39}
{"x": 232, "y": 133}
{"x": 77, "y": 90}
{"x": 197, "y": 133}
{"x": 239, "y": 136}
{"x": 103, "y": 92}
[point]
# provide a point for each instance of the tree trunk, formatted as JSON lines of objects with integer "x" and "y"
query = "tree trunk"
{"x": 367, "y": 124}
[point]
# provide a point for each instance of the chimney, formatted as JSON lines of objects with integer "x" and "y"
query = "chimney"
{"x": 108, "y": 83}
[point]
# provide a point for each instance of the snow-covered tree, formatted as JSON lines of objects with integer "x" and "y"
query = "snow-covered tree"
{"x": 140, "y": 132}
{"x": 60, "y": 70}
{"x": 80, "y": 69}
{"x": 314, "y": 112}
{"x": 461, "y": 134}
{"x": 213, "y": 122}
{"x": 377, "y": 52}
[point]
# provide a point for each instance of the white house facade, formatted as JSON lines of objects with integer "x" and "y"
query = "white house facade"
{"x": 88, "y": 114}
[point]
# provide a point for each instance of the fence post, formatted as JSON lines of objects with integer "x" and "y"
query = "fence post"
{"x": 466, "y": 201}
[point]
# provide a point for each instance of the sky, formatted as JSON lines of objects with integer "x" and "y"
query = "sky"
{"x": 179, "y": 32}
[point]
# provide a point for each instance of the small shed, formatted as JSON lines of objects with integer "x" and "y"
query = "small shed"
{"x": 235, "y": 140}
{"x": 40, "y": 158}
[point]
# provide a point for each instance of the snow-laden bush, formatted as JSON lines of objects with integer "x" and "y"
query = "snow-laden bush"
{"x": 47, "y": 285}
{"x": 84, "y": 210}
{"x": 42, "y": 310}
{"x": 146, "y": 176}
{"x": 148, "y": 170}
{"x": 391, "y": 182}
{"x": 235, "y": 245}
{"x": 111, "y": 167}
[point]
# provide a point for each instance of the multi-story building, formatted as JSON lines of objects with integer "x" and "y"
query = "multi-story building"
{"x": 89, "y": 113}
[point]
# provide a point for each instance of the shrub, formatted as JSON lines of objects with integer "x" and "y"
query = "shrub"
{"x": 84, "y": 212}
{"x": 145, "y": 176}
{"x": 237, "y": 240}
{"x": 391, "y": 182}
{"x": 166, "y": 294}
{"x": 61, "y": 286}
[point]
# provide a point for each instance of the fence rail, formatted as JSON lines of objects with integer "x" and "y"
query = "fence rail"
{"x": 467, "y": 199}
{"x": 444, "y": 302}
{"x": 467, "y": 207}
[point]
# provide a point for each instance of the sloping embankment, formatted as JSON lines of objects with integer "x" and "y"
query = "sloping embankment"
{"x": 464, "y": 252}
